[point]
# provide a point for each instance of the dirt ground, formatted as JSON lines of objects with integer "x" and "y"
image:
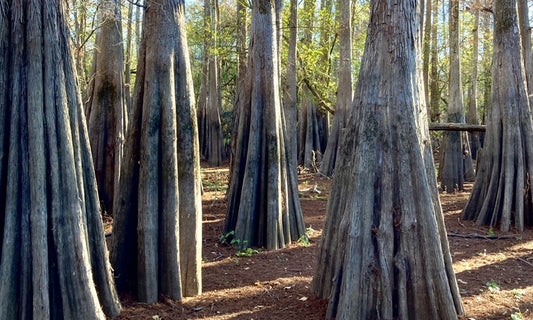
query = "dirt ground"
{"x": 493, "y": 269}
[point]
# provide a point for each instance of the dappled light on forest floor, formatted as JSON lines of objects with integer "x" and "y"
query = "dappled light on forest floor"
{"x": 494, "y": 275}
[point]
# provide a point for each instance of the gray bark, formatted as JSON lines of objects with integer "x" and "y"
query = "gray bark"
{"x": 290, "y": 101}
{"x": 456, "y": 162}
{"x": 501, "y": 194}
{"x": 157, "y": 237}
{"x": 525, "y": 37}
{"x": 344, "y": 90}
{"x": 54, "y": 261}
{"x": 106, "y": 108}
{"x": 472, "y": 91}
{"x": 384, "y": 252}
{"x": 264, "y": 209}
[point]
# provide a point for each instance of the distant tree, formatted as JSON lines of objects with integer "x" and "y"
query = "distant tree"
{"x": 472, "y": 89}
{"x": 53, "y": 257}
{"x": 434, "y": 90}
{"x": 106, "y": 108}
{"x": 211, "y": 139}
{"x": 525, "y": 37}
{"x": 264, "y": 209}
{"x": 290, "y": 99}
{"x": 156, "y": 243}
{"x": 456, "y": 161}
{"x": 384, "y": 252}
{"x": 501, "y": 194}
{"x": 344, "y": 90}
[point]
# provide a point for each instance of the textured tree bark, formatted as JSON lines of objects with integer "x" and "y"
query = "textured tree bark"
{"x": 456, "y": 162}
{"x": 53, "y": 254}
{"x": 156, "y": 231}
{"x": 290, "y": 101}
{"x": 525, "y": 37}
{"x": 501, "y": 193}
{"x": 211, "y": 139}
{"x": 344, "y": 91}
{"x": 106, "y": 108}
{"x": 264, "y": 209}
{"x": 384, "y": 252}
{"x": 434, "y": 114}
{"x": 472, "y": 90}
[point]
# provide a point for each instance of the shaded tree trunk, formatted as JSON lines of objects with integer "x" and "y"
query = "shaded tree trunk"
{"x": 501, "y": 193}
{"x": 435, "y": 93}
{"x": 106, "y": 107}
{"x": 290, "y": 101}
{"x": 264, "y": 209}
{"x": 211, "y": 142}
{"x": 344, "y": 90}
{"x": 525, "y": 36}
{"x": 456, "y": 159}
{"x": 384, "y": 252}
{"x": 472, "y": 91}
{"x": 54, "y": 261}
{"x": 156, "y": 244}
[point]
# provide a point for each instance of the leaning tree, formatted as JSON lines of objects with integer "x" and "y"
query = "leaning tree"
{"x": 384, "y": 252}
{"x": 156, "y": 243}
{"x": 106, "y": 108}
{"x": 264, "y": 209}
{"x": 502, "y": 192}
{"x": 53, "y": 258}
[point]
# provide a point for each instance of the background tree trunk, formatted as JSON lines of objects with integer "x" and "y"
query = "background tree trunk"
{"x": 290, "y": 101}
{"x": 501, "y": 194}
{"x": 212, "y": 145}
{"x": 106, "y": 107}
{"x": 435, "y": 94}
{"x": 384, "y": 252}
{"x": 525, "y": 36}
{"x": 456, "y": 159}
{"x": 344, "y": 90}
{"x": 472, "y": 91}
{"x": 264, "y": 209}
{"x": 156, "y": 240}
{"x": 52, "y": 250}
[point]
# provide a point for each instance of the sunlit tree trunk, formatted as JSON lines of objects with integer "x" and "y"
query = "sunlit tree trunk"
{"x": 525, "y": 36}
{"x": 456, "y": 159}
{"x": 156, "y": 243}
{"x": 344, "y": 90}
{"x": 434, "y": 113}
{"x": 472, "y": 90}
{"x": 501, "y": 193}
{"x": 384, "y": 252}
{"x": 264, "y": 209}
{"x": 53, "y": 257}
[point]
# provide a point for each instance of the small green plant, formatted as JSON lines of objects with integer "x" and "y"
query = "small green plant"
{"x": 304, "y": 240}
{"x": 491, "y": 232}
{"x": 517, "y": 316}
{"x": 493, "y": 286}
{"x": 248, "y": 252}
{"x": 518, "y": 293}
{"x": 224, "y": 237}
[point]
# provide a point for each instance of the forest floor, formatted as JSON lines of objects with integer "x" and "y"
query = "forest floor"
{"x": 494, "y": 269}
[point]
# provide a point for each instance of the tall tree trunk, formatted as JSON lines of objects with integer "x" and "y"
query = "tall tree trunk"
{"x": 501, "y": 193}
{"x": 106, "y": 107}
{"x": 456, "y": 159}
{"x": 128, "y": 57}
{"x": 344, "y": 90}
{"x": 472, "y": 90}
{"x": 53, "y": 257}
{"x": 384, "y": 252}
{"x": 434, "y": 113}
{"x": 525, "y": 36}
{"x": 156, "y": 244}
{"x": 290, "y": 101}
{"x": 426, "y": 47}
{"x": 264, "y": 209}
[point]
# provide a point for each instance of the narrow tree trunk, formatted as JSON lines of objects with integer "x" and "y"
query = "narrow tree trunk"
{"x": 53, "y": 256}
{"x": 384, "y": 252}
{"x": 157, "y": 237}
{"x": 264, "y": 209}
{"x": 434, "y": 114}
{"x": 290, "y": 101}
{"x": 344, "y": 90}
{"x": 525, "y": 36}
{"x": 426, "y": 47}
{"x": 106, "y": 108}
{"x": 472, "y": 91}
{"x": 456, "y": 160}
{"x": 501, "y": 194}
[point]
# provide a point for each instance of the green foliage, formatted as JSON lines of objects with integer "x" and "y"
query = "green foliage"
{"x": 493, "y": 286}
{"x": 304, "y": 240}
{"x": 517, "y": 316}
{"x": 248, "y": 252}
{"x": 223, "y": 239}
{"x": 491, "y": 232}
